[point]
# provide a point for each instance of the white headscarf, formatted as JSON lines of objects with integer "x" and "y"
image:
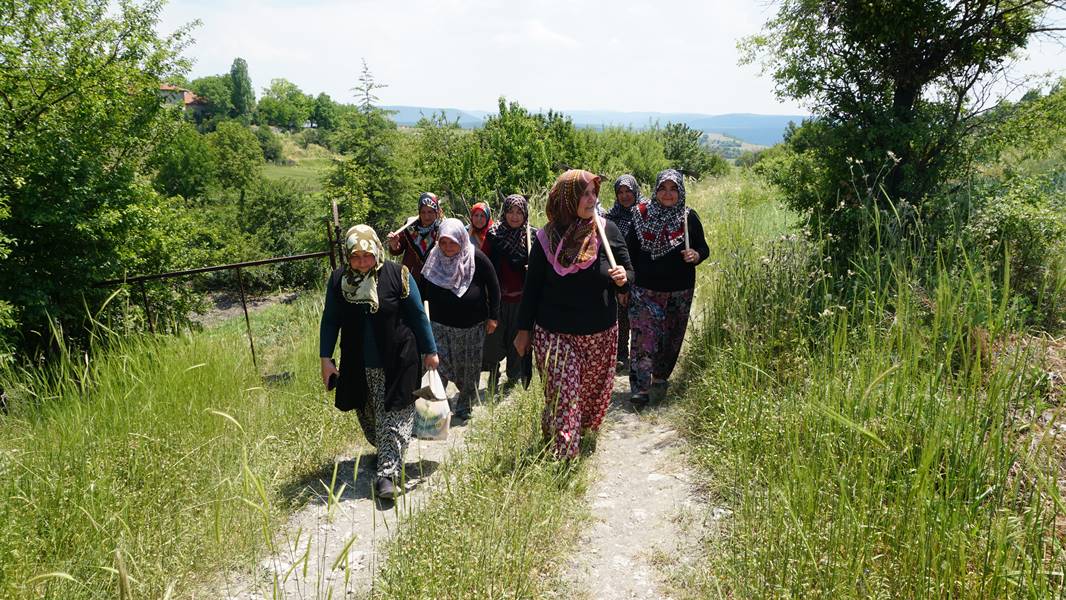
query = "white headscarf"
{"x": 451, "y": 272}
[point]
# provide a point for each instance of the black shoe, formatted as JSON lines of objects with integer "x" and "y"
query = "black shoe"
{"x": 384, "y": 488}
{"x": 639, "y": 401}
{"x": 462, "y": 415}
{"x": 658, "y": 390}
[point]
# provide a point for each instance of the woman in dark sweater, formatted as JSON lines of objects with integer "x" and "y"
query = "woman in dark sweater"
{"x": 464, "y": 305}
{"x": 666, "y": 278}
{"x": 375, "y": 307}
{"x": 569, "y": 308}
{"x": 626, "y": 196}
{"x": 509, "y": 241}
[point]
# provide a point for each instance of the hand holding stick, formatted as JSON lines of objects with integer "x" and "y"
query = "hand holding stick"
{"x": 406, "y": 224}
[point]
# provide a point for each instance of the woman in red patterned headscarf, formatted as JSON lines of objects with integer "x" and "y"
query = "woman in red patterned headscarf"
{"x": 569, "y": 306}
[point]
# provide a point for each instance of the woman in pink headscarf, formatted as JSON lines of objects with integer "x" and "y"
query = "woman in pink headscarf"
{"x": 569, "y": 310}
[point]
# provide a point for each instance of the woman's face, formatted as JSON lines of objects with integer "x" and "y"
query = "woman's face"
{"x": 426, "y": 216}
{"x": 586, "y": 206}
{"x": 625, "y": 196}
{"x": 479, "y": 220}
{"x": 448, "y": 246}
{"x": 667, "y": 193}
{"x": 362, "y": 261}
{"x": 515, "y": 217}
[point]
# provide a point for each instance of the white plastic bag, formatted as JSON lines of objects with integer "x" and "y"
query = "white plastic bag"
{"x": 432, "y": 386}
{"x": 433, "y": 416}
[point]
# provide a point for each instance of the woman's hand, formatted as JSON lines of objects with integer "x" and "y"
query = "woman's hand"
{"x": 328, "y": 369}
{"x": 690, "y": 256}
{"x": 393, "y": 240}
{"x": 521, "y": 342}
{"x": 490, "y": 326}
{"x": 618, "y": 275}
{"x": 431, "y": 361}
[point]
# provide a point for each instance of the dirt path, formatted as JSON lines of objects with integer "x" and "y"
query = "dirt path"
{"x": 640, "y": 496}
{"x": 331, "y": 548}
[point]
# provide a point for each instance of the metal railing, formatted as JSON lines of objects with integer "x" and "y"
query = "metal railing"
{"x": 335, "y": 254}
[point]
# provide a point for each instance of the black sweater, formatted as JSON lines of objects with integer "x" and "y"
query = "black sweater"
{"x": 580, "y": 303}
{"x": 481, "y": 300}
{"x": 670, "y": 273}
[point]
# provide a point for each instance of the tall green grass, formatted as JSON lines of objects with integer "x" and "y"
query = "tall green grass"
{"x": 873, "y": 443}
{"x": 502, "y": 521}
{"x": 161, "y": 457}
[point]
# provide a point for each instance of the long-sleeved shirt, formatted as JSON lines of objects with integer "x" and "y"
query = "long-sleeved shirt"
{"x": 670, "y": 272}
{"x": 411, "y": 312}
{"x": 510, "y": 268}
{"x": 581, "y": 303}
{"x": 480, "y": 301}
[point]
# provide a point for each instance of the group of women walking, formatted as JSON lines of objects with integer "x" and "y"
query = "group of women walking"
{"x": 580, "y": 297}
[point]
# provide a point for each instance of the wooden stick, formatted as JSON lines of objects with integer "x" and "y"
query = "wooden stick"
{"x": 529, "y": 241}
{"x": 425, "y": 305}
{"x": 603, "y": 239}
{"x": 687, "y": 246}
{"x": 405, "y": 226}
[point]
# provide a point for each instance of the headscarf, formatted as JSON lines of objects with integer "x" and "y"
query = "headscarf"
{"x": 356, "y": 287}
{"x": 571, "y": 244}
{"x": 478, "y": 235}
{"x": 451, "y": 272}
{"x": 660, "y": 228}
{"x": 424, "y": 238}
{"x": 623, "y": 216}
{"x": 512, "y": 240}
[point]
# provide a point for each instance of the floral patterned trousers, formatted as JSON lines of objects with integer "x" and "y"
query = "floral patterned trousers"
{"x": 578, "y": 374}
{"x": 658, "y": 321}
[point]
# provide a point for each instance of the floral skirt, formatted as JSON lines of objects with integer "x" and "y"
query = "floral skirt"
{"x": 578, "y": 375}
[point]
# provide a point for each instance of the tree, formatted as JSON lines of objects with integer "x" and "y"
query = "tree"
{"x": 684, "y": 150}
{"x": 283, "y": 105}
{"x": 324, "y": 112}
{"x": 81, "y": 112}
{"x": 242, "y": 97}
{"x": 186, "y": 164}
{"x": 905, "y": 77}
{"x": 217, "y": 91}
{"x": 269, "y": 143}
{"x": 240, "y": 158}
{"x": 375, "y": 173}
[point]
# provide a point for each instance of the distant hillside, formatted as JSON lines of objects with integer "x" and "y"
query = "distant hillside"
{"x": 760, "y": 130}
{"x": 410, "y": 115}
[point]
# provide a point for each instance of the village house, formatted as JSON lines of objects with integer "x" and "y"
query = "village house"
{"x": 173, "y": 95}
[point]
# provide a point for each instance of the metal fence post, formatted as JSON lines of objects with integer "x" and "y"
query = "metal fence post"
{"x": 247, "y": 322}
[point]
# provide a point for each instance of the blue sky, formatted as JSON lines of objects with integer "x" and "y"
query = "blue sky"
{"x": 664, "y": 56}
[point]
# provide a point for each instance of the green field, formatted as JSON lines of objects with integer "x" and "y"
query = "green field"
{"x": 309, "y": 172}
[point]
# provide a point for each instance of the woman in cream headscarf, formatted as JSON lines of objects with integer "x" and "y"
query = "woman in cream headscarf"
{"x": 569, "y": 307}
{"x": 375, "y": 306}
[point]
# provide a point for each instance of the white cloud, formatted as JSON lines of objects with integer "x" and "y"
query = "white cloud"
{"x": 668, "y": 56}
